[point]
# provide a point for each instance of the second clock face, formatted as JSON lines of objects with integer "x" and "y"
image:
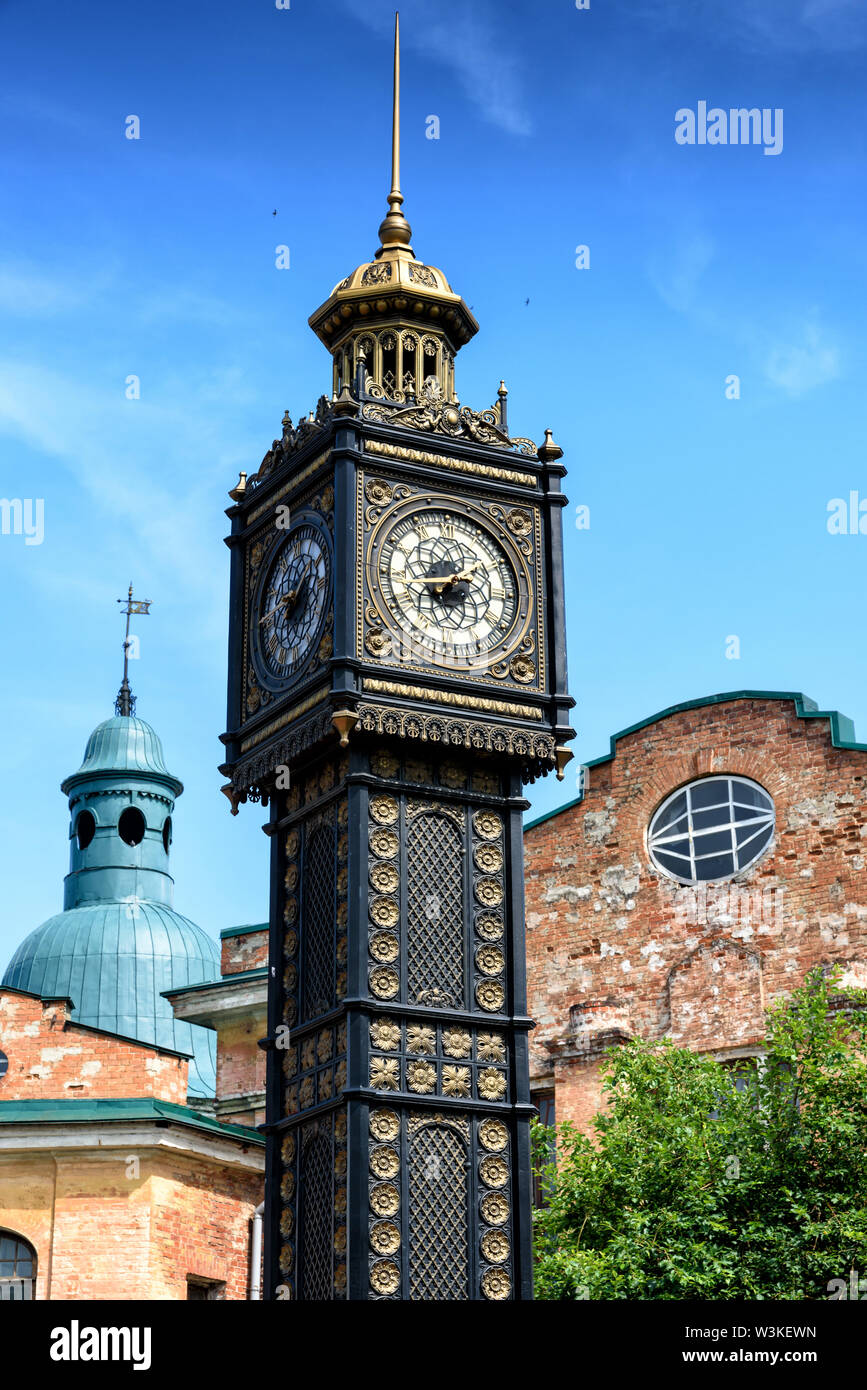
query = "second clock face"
{"x": 447, "y": 583}
{"x": 293, "y": 601}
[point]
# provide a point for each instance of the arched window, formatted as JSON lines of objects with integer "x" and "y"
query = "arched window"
{"x": 17, "y": 1267}
{"x": 84, "y": 828}
{"x": 131, "y": 826}
{"x": 167, "y": 833}
{"x": 711, "y": 830}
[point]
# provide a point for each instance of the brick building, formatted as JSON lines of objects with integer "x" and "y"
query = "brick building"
{"x": 130, "y": 1079}
{"x": 716, "y": 854}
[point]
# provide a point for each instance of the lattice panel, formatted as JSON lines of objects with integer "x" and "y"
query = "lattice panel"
{"x": 315, "y": 1189}
{"x": 319, "y": 921}
{"x": 435, "y": 913}
{"x": 438, "y": 1215}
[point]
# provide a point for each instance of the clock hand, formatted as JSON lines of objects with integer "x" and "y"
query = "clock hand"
{"x": 286, "y": 598}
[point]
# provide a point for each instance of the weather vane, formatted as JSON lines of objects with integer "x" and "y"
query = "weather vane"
{"x": 125, "y": 702}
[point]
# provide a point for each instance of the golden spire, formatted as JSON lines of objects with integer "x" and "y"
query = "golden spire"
{"x": 395, "y": 231}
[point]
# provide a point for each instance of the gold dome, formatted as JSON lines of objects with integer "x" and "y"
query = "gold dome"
{"x": 394, "y": 306}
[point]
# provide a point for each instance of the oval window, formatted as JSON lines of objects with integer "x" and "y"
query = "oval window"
{"x": 167, "y": 833}
{"x": 131, "y": 826}
{"x": 4, "y": 1064}
{"x": 711, "y": 829}
{"x": 84, "y": 828}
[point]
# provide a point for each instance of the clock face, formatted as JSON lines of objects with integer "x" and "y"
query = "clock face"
{"x": 292, "y": 602}
{"x": 449, "y": 589}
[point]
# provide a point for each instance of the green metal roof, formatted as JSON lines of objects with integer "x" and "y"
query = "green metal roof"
{"x": 243, "y": 931}
{"x": 260, "y": 973}
{"x": 123, "y": 744}
{"x": 115, "y": 960}
{"x": 842, "y": 729}
{"x": 48, "y": 1112}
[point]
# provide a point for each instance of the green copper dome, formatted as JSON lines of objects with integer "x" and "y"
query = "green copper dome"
{"x": 119, "y": 943}
{"x": 123, "y": 744}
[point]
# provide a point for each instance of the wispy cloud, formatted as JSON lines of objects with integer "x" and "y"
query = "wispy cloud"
{"x": 131, "y": 459}
{"x": 787, "y": 25}
{"x": 470, "y": 41}
{"x": 676, "y": 273}
{"x": 806, "y": 360}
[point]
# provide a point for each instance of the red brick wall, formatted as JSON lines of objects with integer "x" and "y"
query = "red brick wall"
{"x": 118, "y": 1224}
{"x": 615, "y": 949}
{"x": 246, "y": 952}
{"x": 51, "y": 1057}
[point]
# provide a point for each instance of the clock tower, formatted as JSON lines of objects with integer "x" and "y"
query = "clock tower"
{"x": 397, "y": 674}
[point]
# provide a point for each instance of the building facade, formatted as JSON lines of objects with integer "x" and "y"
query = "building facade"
{"x": 130, "y": 1083}
{"x": 716, "y": 855}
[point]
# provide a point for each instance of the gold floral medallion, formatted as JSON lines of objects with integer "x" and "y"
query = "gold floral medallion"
{"x": 490, "y": 960}
{"x": 384, "y": 1124}
{"x": 493, "y": 1136}
{"x": 384, "y": 982}
{"x": 490, "y": 996}
{"x": 496, "y": 1285}
{"x": 493, "y": 1171}
{"x": 490, "y": 1047}
{"x": 420, "y": 1038}
{"x": 384, "y": 1073}
{"x": 495, "y": 1209}
{"x": 495, "y": 1247}
{"x": 489, "y": 926}
{"x": 489, "y": 892}
{"x": 456, "y": 1081}
{"x": 457, "y": 1042}
{"x": 385, "y": 1237}
{"x": 384, "y": 844}
{"x": 384, "y": 809}
{"x": 385, "y": 1035}
{"x": 385, "y": 1277}
{"x": 491, "y": 1084}
{"x": 384, "y": 912}
{"x": 487, "y": 826}
{"x": 488, "y": 858}
{"x": 384, "y": 947}
{"x": 385, "y": 1161}
{"x": 384, "y": 878}
{"x": 385, "y": 1199}
{"x": 421, "y": 1077}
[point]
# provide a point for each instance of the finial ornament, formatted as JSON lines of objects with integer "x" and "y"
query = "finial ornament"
{"x": 394, "y": 230}
{"x": 125, "y": 702}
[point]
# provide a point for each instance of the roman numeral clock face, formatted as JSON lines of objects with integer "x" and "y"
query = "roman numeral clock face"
{"x": 290, "y": 609}
{"x": 448, "y": 588}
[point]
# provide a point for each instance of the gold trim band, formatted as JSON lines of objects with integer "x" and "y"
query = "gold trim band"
{"x": 482, "y": 470}
{"x": 451, "y": 697}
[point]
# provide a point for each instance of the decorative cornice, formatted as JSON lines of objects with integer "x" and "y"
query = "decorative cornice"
{"x": 479, "y": 470}
{"x": 453, "y": 697}
{"x": 291, "y": 483}
{"x": 285, "y": 718}
{"x": 535, "y": 749}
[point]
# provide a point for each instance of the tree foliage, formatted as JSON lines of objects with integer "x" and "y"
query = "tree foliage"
{"x": 695, "y": 1189}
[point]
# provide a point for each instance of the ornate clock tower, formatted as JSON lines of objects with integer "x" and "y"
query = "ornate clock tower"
{"x": 397, "y": 673}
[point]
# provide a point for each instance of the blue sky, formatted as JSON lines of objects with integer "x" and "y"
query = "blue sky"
{"x": 156, "y": 258}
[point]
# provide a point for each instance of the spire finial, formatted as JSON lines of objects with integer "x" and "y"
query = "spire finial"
{"x": 125, "y": 702}
{"x": 395, "y": 231}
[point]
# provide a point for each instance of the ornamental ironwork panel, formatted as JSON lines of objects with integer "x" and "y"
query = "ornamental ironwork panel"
{"x": 315, "y": 1186}
{"x": 319, "y": 921}
{"x": 439, "y": 1245}
{"x": 435, "y": 912}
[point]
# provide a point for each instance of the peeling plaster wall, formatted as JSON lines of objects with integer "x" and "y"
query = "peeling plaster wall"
{"x": 616, "y": 950}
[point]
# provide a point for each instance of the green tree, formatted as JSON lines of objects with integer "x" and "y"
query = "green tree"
{"x": 698, "y": 1188}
